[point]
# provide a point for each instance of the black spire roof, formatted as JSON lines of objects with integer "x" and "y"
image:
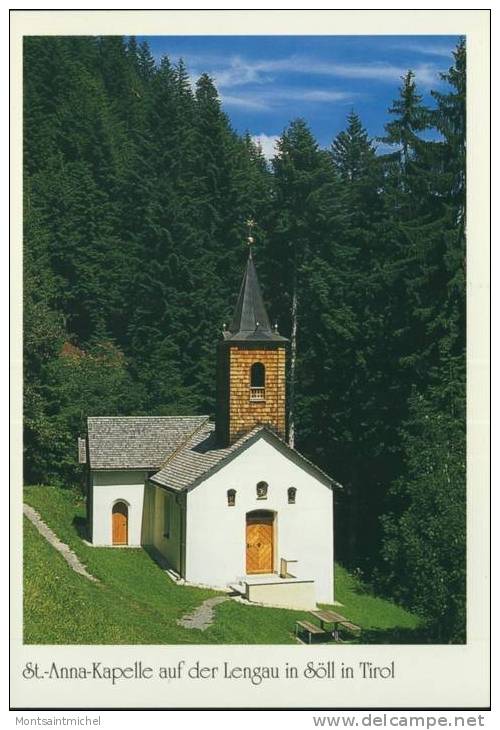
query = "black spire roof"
{"x": 250, "y": 320}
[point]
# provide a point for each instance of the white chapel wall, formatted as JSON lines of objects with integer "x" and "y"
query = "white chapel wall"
{"x": 215, "y": 532}
{"x": 166, "y": 525}
{"x": 109, "y": 487}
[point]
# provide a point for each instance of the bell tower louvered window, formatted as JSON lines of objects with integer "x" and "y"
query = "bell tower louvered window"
{"x": 257, "y": 382}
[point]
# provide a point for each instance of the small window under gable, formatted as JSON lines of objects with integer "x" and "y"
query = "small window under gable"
{"x": 231, "y": 497}
{"x": 257, "y": 382}
{"x": 292, "y": 492}
{"x": 262, "y": 488}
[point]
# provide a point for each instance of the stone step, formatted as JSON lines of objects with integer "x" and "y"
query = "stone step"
{"x": 237, "y": 588}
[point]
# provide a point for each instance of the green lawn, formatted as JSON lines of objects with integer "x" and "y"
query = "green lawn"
{"x": 136, "y": 603}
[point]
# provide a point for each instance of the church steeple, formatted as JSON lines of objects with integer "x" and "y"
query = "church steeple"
{"x": 250, "y": 321}
{"x": 250, "y": 366}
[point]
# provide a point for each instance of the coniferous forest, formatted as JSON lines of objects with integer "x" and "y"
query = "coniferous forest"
{"x": 136, "y": 196}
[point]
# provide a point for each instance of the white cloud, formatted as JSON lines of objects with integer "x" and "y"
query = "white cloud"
{"x": 241, "y": 72}
{"x": 245, "y": 101}
{"x": 267, "y": 99}
{"x": 231, "y": 72}
{"x": 427, "y": 76}
{"x": 386, "y": 149}
{"x": 267, "y": 143}
{"x": 323, "y": 95}
{"x": 427, "y": 49}
{"x": 425, "y": 73}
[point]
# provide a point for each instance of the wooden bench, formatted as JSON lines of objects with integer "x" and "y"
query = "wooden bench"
{"x": 351, "y": 628}
{"x": 311, "y": 629}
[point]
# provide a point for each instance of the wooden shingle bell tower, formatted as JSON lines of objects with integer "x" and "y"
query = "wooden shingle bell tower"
{"x": 250, "y": 367}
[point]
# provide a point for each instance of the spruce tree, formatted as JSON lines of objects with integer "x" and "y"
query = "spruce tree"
{"x": 366, "y": 392}
{"x": 306, "y": 239}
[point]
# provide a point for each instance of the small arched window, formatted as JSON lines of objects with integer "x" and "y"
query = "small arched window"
{"x": 262, "y": 490}
{"x": 292, "y": 492}
{"x": 257, "y": 382}
{"x": 231, "y": 497}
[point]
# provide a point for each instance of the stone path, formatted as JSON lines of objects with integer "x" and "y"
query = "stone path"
{"x": 61, "y": 547}
{"x": 203, "y": 616}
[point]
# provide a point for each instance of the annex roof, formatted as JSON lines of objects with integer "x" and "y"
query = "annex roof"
{"x": 199, "y": 457}
{"x": 137, "y": 442}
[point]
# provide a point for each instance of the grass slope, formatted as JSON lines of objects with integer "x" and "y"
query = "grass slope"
{"x": 136, "y": 603}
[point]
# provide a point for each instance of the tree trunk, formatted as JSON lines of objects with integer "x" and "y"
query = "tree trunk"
{"x": 293, "y": 359}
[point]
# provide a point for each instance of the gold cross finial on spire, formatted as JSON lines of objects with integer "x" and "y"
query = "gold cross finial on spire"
{"x": 250, "y": 224}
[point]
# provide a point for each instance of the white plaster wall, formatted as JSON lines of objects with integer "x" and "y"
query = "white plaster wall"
{"x": 169, "y": 546}
{"x": 215, "y": 533}
{"x": 109, "y": 487}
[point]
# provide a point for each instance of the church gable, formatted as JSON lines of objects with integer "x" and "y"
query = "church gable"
{"x": 200, "y": 457}
{"x": 261, "y": 464}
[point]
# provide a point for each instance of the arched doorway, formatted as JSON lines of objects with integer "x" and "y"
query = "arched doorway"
{"x": 260, "y": 542}
{"x": 120, "y": 523}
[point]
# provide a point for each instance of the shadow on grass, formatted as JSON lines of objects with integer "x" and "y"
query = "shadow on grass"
{"x": 394, "y": 635}
{"x": 157, "y": 557}
{"x": 81, "y": 527}
{"x": 374, "y": 636}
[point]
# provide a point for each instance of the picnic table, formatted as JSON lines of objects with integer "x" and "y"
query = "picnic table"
{"x": 329, "y": 625}
{"x": 329, "y": 618}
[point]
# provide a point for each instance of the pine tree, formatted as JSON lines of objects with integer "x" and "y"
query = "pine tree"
{"x": 450, "y": 120}
{"x": 411, "y": 117}
{"x": 353, "y": 154}
{"x": 303, "y": 231}
{"x": 366, "y": 396}
{"x": 146, "y": 62}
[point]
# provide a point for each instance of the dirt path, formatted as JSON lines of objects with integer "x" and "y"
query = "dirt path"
{"x": 68, "y": 554}
{"x": 203, "y": 616}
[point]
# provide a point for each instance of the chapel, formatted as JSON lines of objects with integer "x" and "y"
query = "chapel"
{"x": 226, "y": 504}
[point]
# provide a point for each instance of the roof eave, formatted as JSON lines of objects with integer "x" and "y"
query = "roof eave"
{"x": 248, "y": 441}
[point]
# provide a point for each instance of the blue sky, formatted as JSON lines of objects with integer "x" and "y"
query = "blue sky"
{"x": 266, "y": 81}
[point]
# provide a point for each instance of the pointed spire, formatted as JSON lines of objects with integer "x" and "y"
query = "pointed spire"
{"x": 250, "y": 320}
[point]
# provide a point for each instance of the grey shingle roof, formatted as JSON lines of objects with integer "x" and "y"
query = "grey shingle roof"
{"x": 199, "y": 457}
{"x": 137, "y": 442}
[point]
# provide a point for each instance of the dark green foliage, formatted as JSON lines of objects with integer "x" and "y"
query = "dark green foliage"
{"x": 425, "y": 528}
{"x": 424, "y": 545}
{"x": 137, "y": 192}
{"x": 310, "y": 276}
{"x": 136, "y": 195}
{"x": 410, "y": 119}
{"x": 352, "y": 152}
{"x": 95, "y": 382}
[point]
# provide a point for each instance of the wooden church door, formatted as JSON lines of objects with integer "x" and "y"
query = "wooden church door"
{"x": 120, "y": 524}
{"x": 260, "y": 542}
